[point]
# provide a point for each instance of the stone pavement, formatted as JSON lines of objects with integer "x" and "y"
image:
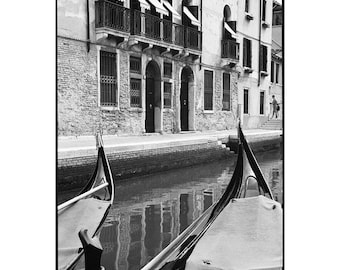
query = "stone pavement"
{"x": 72, "y": 146}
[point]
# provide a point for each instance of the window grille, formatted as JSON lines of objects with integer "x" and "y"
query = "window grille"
{"x": 277, "y": 73}
{"x": 261, "y": 102}
{"x": 108, "y": 79}
{"x": 208, "y": 90}
{"x": 168, "y": 70}
{"x": 135, "y": 64}
{"x": 226, "y": 92}
{"x": 167, "y": 95}
{"x": 263, "y": 58}
{"x": 246, "y": 53}
{"x": 135, "y": 92}
{"x": 245, "y": 101}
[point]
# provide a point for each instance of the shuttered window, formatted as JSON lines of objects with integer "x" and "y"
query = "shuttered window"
{"x": 245, "y": 101}
{"x": 246, "y": 53}
{"x": 208, "y": 90}
{"x": 135, "y": 92}
{"x": 263, "y": 58}
{"x": 226, "y": 92}
{"x": 167, "y": 95}
{"x": 108, "y": 79}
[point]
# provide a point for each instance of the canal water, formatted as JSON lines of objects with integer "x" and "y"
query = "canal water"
{"x": 151, "y": 211}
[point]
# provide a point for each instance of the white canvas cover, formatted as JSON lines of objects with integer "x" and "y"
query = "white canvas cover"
{"x": 84, "y": 214}
{"x": 246, "y": 235}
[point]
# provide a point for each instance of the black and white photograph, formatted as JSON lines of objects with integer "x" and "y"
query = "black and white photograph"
{"x": 169, "y": 134}
{"x": 170, "y": 124}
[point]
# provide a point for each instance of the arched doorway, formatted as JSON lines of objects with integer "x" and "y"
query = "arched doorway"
{"x": 186, "y": 98}
{"x": 153, "y": 98}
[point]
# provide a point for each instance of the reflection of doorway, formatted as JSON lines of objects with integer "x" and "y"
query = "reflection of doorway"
{"x": 150, "y": 105}
{"x": 184, "y": 106}
{"x": 153, "y": 98}
{"x": 186, "y": 99}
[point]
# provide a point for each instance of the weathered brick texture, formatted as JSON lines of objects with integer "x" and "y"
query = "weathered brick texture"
{"x": 74, "y": 172}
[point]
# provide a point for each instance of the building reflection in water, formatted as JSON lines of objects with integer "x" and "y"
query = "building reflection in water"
{"x": 144, "y": 222}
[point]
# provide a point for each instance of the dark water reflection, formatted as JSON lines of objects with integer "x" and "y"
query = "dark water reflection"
{"x": 149, "y": 212}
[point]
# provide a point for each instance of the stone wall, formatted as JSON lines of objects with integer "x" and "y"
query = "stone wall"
{"x": 133, "y": 163}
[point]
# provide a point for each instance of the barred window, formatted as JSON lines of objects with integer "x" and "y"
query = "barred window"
{"x": 226, "y": 92}
{"x": 168, "y": 70}
{"x": 263, "y": 58}
{"x": 108, "y": 79}
{"x": 246, "y": 53}
{"x": 135, "y": 64}
{"x": 167, "y": 95}
{"x": 135, "y": 92}
{"x": 208, "y": 90}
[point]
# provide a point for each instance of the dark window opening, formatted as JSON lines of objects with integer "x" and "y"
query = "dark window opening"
{"x": 208, "y": 90}
{"x": 246, "y": 9}
{"x": 135, "y": 92}
{"x": 226, "y": 92}
{"x": 277, "y": 73}
{"x": 245, "y": 101}
{"x": 264, "y": 4}
{"x": 272, "y": 71}
{"x": 246, "y": 53}
{"x": 167, "y": 95}
{"x": 261, "y": 102}
{"x": 168, "y": 70}
{"x": 108, "y": 79}
{"x": 135, "y": 64}
{"x": 263, "y": 58}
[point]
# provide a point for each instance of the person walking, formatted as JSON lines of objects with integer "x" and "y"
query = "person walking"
{"x": 275, "y": 104}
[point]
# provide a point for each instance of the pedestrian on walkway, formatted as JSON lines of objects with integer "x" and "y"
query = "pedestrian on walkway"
{"x": 274, "y": 104}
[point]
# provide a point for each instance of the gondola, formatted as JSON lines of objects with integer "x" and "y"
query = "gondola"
{"x": 242, "y": 230}
{"x": 84, "y": 213}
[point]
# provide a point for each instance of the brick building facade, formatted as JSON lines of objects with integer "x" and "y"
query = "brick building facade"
{"x": 144, "y": 66}
{"x": 158, "y": 78}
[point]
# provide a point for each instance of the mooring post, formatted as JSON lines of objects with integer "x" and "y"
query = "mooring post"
{"x": 92, "y": 251}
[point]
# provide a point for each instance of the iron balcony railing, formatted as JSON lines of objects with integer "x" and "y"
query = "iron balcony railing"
{"x": 137, "y": 23}
{"x": 230, "y": 49}
{"x": 112, "y": 16}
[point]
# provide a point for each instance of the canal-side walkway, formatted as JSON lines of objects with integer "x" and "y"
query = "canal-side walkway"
{"x": 72, "y": 146}
{"x": 131, "y": 156}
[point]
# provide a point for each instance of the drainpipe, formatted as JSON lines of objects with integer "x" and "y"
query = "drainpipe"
{"x": 88, "y": 25}
{"x": 260, "y": 21}
{"x": 200, "y": 67}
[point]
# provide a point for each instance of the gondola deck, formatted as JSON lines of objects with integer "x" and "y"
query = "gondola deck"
{"x": 246, "y": 235}
{"x": 191, "y": 247}
{"x": 86, "y": 211}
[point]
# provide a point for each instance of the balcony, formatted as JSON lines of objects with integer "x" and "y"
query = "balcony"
{"x": 112, "y": 19}
{"x": 141, "y": 27}
{"x": 230, "y": 49}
